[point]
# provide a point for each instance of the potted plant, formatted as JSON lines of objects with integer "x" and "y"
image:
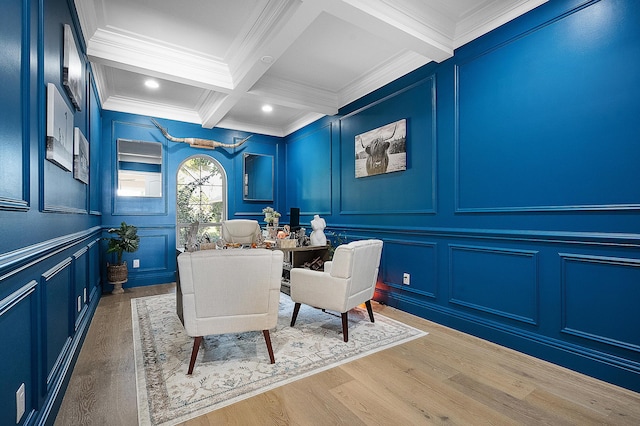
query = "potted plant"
{"x": 271, "y": 217}
{"x": 126, "y": 239}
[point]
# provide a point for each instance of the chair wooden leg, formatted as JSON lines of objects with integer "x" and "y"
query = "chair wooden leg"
{"x": 194, "y": 353}
{"x": 296, "y": 308}
{"x": 267, "y": 339}
{"x": 345, "y": 327}
{"x": 368, "y": 303}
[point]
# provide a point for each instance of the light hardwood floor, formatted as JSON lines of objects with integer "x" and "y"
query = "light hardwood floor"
{"x": 446, "y": 377}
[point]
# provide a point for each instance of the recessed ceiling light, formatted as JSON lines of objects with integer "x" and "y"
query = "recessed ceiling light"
{"x": 267, "y": 108}
{"x": 151, "y": 84}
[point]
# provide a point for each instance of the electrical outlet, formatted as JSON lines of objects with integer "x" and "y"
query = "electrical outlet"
{"x": 406, "y": 279}
{"x": 136, "y": 263}
{"x": 20, "y": 403}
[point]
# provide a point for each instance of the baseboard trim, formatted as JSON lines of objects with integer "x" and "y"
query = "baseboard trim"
{"x": 607, "y": 367}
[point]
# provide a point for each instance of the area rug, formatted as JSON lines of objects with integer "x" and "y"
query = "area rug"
{"x": 233, "y": 367}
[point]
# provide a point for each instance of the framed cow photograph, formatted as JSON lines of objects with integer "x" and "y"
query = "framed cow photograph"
{"x": 382, "y": 150}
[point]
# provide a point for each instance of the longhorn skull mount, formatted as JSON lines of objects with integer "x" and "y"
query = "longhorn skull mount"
{"x": 199, "y": 143}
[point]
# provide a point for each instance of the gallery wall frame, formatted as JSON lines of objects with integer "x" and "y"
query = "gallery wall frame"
{"x": 72, "y": 70}
{"x": 80, "y": 156}
{"x": 59, "y": 129}
{"x": 381, "y": 150}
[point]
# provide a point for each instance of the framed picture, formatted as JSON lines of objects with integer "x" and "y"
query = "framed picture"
{"x": 59, "y": 129}
{"x": 382, "y": 150}
{"x": 80, "y": 156}
{"x": 72, "y": 69}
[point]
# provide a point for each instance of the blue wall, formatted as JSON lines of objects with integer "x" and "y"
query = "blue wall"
{"x": 50, "y": 222}
{"x": 517, "y": 216}
{"x": 156, "y": 217}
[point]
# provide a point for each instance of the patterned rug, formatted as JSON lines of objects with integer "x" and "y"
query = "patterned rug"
{"x": 236, "y": 366}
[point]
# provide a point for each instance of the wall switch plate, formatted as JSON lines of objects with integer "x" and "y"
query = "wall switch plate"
{"x": 79, "y": 303}
{"x": 84, "y": 293}
{"x": 20, "y": 403}
{"x": 136, "y": 263}
{"x": 406, "y": 279}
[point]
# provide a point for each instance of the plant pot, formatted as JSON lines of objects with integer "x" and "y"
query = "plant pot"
{"x": 117, "y": 275}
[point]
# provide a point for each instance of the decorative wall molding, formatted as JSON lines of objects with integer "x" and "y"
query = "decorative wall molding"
{"x": 530, "y": 190}
{"x": 16, "y": 133}
{"x": 467, "y": 321}
{"x": 619, "y": 293}
{"x": 324, "y": 135}
{"x": 604, "y": 239}
{"x": 414, "y": 140}
{"x": 425, "y": 288}
{"x": 15, "y": 261}
{"x": 514, "y": 296}
{"x": 17, "y": 296}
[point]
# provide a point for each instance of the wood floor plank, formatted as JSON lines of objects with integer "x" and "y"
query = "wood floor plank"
{"x": 446, "y": 377}
{"x": 420, "y": 391}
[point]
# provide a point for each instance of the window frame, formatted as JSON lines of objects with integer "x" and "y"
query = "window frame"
{"x": 224, "y": 212}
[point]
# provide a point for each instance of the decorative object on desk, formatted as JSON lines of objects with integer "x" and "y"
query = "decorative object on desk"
{"x": 197, "y": 142}
{"x": 315, "y": 264}
{"x": 283, "y": 233}
{"x": 272, "y": 232}
{"x": 126, "y": 239}
{"x": 303, "y": 238}
{"x": 317, "y": 235}
{"x": 287, "y": 243}
{"x": 377, "y": 152}
{"x": 271, "y": 217}
{"x": 237, "y": 369}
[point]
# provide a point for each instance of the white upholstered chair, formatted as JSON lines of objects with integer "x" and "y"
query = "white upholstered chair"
{"x": 347, "y": 281}
{"x": 229, "y": 291}
{"x": 240, "y": 231}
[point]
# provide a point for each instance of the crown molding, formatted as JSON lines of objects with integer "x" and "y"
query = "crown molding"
{"x": 393, "y": 69}
{"x": 295, "y": 95}
{"x": 489, "y": 18}
{"x": 126, "y": 52}
{"x": 133, "y": 106}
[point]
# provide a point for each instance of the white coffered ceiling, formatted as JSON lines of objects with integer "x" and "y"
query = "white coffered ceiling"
{"x": 218, "y": 61}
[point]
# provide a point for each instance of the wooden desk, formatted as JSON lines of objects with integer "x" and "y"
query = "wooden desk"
{"x": 296, "y": 257}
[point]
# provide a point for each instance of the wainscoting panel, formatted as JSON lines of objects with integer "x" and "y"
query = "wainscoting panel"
{"x": 157, "y": 255}
{"x": 501, "y": 282}
{"x": 41, "y": 328}
{"x": 18, "y": 331}
{"x": 418, "y": 259}
{"x": 57, "y": 284}
{"x": 94, "y": 267}
{"x": 80, "y": 292}
{"x": 594, "y": 287}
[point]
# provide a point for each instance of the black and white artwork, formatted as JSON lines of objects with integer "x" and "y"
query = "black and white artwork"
{"x": 59, "y": 129}
{"x": 80, "y": 156}
{"x": 72, "y": 69}
{"x": 382, "y": 150}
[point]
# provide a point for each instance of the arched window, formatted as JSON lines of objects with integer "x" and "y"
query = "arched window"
{"x": 201, "y": 195}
